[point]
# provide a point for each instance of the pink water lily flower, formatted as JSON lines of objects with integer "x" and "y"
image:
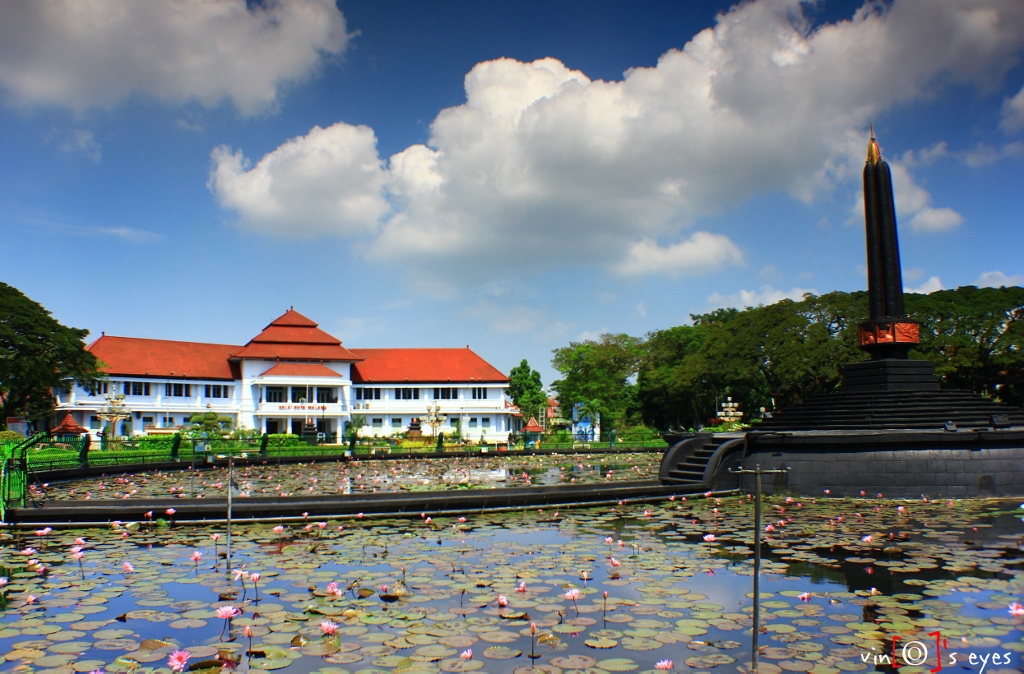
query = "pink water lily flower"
{"x": 614, "y": 562}
{"x": 663, "y": 664}
{"x": 128, "y": 568}
{"x": 522, "y": 587}
{"x": 466, "y": 654}
{"x": 806, "y": 596}
{"x": 227, "y": 611}
{"x": 709, "y": 538}
{"x": 572, "y": 594}
{"x": 1016, "y": 610}
{"x": 327, "y": 627}
{"x": 502, "y": 600}
{"x": 177, "y": 660}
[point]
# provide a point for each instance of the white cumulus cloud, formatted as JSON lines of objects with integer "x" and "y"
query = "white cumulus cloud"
{"x": 96, "y": 53}
{"x": 996, "y": 279}
{"x": 328, "y": 181}
{"x": 699, "y": 254}
{"x": 543, "y": 165}
{"x": 753, "y": 298}
{"x": 933, "y": 284}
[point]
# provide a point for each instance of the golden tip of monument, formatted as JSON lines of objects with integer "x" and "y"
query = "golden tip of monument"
{"x": 874, "y": 155}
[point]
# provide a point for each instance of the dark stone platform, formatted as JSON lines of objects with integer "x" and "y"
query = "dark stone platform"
{"x": 889, "y": 374}
{"x": 890, "y": 410}
{"x": 895, "y": 464}
{"x": 268, "y": 508}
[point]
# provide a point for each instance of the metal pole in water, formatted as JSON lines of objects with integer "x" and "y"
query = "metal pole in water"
{"x": 757, "y": 568}
{"x": 230, "y": 481}
{"x": 756, "y": 632}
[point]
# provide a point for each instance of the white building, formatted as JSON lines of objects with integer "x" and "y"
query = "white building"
{"x": 290, "y": 376}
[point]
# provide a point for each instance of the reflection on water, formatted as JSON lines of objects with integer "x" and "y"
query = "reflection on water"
{"x": 840, "y": 579}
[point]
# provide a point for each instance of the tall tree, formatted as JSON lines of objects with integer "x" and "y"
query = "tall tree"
{"x": 975, "y": 337}
{"x": 671, "y": 383}
{"x": 524, "y": 385}
{"x": 38, "y": 355}
{"x": 601, "y": 375}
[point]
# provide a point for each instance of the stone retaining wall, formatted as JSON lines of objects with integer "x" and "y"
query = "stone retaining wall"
{"x": 945, "y": 472}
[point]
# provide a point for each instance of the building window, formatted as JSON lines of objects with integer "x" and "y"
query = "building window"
{"x": 178, "y": 390}
{"x": 99, "y": 388}
{"x": 218, "y": 391}
{"x": 94, "y": 422}
{"x": 168, "y": 421}
{"x": 396, "y": 423}
{"x": 326, "y": 395}
{"x": 485, "y": 422}
{"x": 367, "y": 393}
{"x": 446, "y": 394}
{"x": 472, "y": 422}
{"x": 300, "y": 393}
{"x": 407, "y": 394}
{"x": 479, "y": 393}
{"x": 378, "y": 422}
{"x": 147, "y": 421}
{"x": 136, "y": 388}
{"x": 275, "y": 394}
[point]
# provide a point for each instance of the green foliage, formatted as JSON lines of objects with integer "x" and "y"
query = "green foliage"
{"x": 780, "y": 355}
{"x": 358, "y": 421}
{"x": 975, "y": 337}
{"x": 526, "y": 389}
{"x": 38, "y": 355}
{"x": 600, "y": 375}
{"x": 210, "y": 423}
{"x": 11, "y": 435}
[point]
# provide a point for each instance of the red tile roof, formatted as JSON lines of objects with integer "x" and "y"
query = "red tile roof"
{"x": 292, "y": 336}
{"x": 135, "y": 357}
{"x": 423, "y": 366}
{"x": 68, "y": 426}
{"x": 532, "y": 426}
{"x": 300, "y": 370}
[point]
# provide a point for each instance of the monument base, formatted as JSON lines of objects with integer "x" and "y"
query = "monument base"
{"x": 889, "y": 374}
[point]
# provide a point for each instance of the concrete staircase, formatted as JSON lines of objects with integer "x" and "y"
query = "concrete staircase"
{"x": 692, "y": 462}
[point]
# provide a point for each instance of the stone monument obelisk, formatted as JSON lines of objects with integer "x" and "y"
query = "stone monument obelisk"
{"x": 888, "y": 334}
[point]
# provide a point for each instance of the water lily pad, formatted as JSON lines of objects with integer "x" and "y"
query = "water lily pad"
{"x": 617, "y": 665}
{"x": 501, "y": 653}
{"x": 460, "y": 665}
{"x": 601, "y": 642}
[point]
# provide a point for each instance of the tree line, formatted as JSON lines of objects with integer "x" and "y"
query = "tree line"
{"x": 779, "y": 355}
{"x": 771, "y": 356}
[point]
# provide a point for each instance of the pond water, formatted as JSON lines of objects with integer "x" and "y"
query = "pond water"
{"x": 840, "y": 579}
{"x": 342, "y": 477}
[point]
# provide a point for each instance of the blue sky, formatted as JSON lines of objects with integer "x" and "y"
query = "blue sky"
{"x": 509, "y": 175}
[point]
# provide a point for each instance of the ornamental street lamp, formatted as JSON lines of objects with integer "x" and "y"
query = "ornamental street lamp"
{"x": 113, "y": 412}
{"x": 434, "y": 416}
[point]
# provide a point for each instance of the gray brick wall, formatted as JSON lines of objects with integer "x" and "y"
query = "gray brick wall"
{"x": 901, "y": 473}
